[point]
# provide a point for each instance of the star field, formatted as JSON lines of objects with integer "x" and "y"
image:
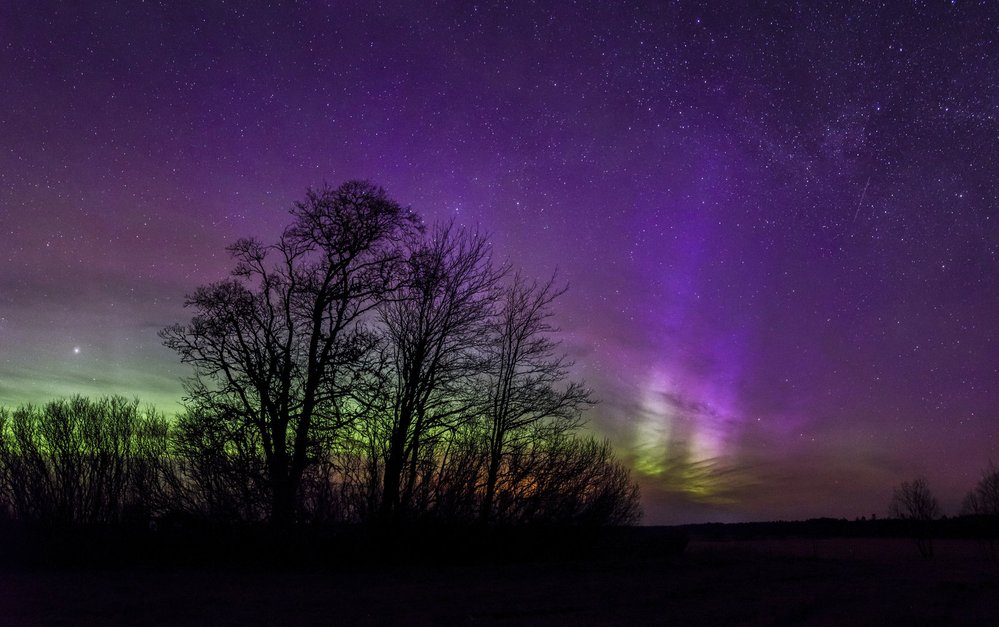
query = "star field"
{"x": 780, "y": 223}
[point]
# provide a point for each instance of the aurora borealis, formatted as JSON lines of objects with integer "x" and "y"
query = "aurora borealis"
{"x": 779, "y": 223}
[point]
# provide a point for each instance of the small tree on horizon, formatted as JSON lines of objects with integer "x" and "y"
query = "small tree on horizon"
{"x": 983, "y": 500}
{"x": 912, "y": 501}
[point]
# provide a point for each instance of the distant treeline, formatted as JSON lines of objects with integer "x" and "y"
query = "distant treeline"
{"x": 970, "y": 526}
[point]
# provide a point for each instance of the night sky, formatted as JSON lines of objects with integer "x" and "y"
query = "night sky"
{"x": 780, "y": 224}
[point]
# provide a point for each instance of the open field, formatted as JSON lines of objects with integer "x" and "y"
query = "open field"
{"x": 790, "y": 581}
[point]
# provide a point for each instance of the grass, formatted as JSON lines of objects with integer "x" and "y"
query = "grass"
{"x": 756, "y": 582}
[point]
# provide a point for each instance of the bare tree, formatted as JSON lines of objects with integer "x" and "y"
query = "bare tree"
{"x": 984, "y": 499}
{"x": 217, "y": 472}
{"x": 273, "y": 347}
{"x": 354, "y": 370}
{"x": 564, "y": 478}
{"x": 983, "y": 503}
{"x": 80, "y": 460}
{"x": 913, "y": 502}
{"x": 434, "y": 331}
{"x": 525, "y": 376}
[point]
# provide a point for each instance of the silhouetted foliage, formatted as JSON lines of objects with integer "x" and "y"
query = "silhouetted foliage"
{"x": 81, "y": 460}
{"x": 562, "y": 478}
{"x": 218, "y": 471}
{"x": 913, "y": 502}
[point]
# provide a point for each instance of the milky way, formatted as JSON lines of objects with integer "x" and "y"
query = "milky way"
{"x": 780, "y": 224}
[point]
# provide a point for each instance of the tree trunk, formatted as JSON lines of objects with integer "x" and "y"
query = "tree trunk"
{"x": 283, "y": 502}
{"x": 487, "y": 501}
{"x": 495, "y": 458}
{"x": 391, "y": 495}
{"x": 393, "y": 480}
{"x": 406, "y": 498}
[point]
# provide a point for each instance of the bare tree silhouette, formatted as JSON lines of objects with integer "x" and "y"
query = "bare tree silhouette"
{"x": 434, "y": 330}
{"x": 81, "y": 460}
{"x": 274, "y": 346}
{"x": 559, "y": 477}
{"x": 913, "y": 502}
{"x": 361, "y": 369}
{"x": 524, "y": 377}
{"x": 983, "y": 500}
{"x": 983, "y": 503}
{"x": 217, "y": 470}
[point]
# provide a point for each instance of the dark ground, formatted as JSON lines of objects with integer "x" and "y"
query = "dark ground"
{"x": 716, "y": 582}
